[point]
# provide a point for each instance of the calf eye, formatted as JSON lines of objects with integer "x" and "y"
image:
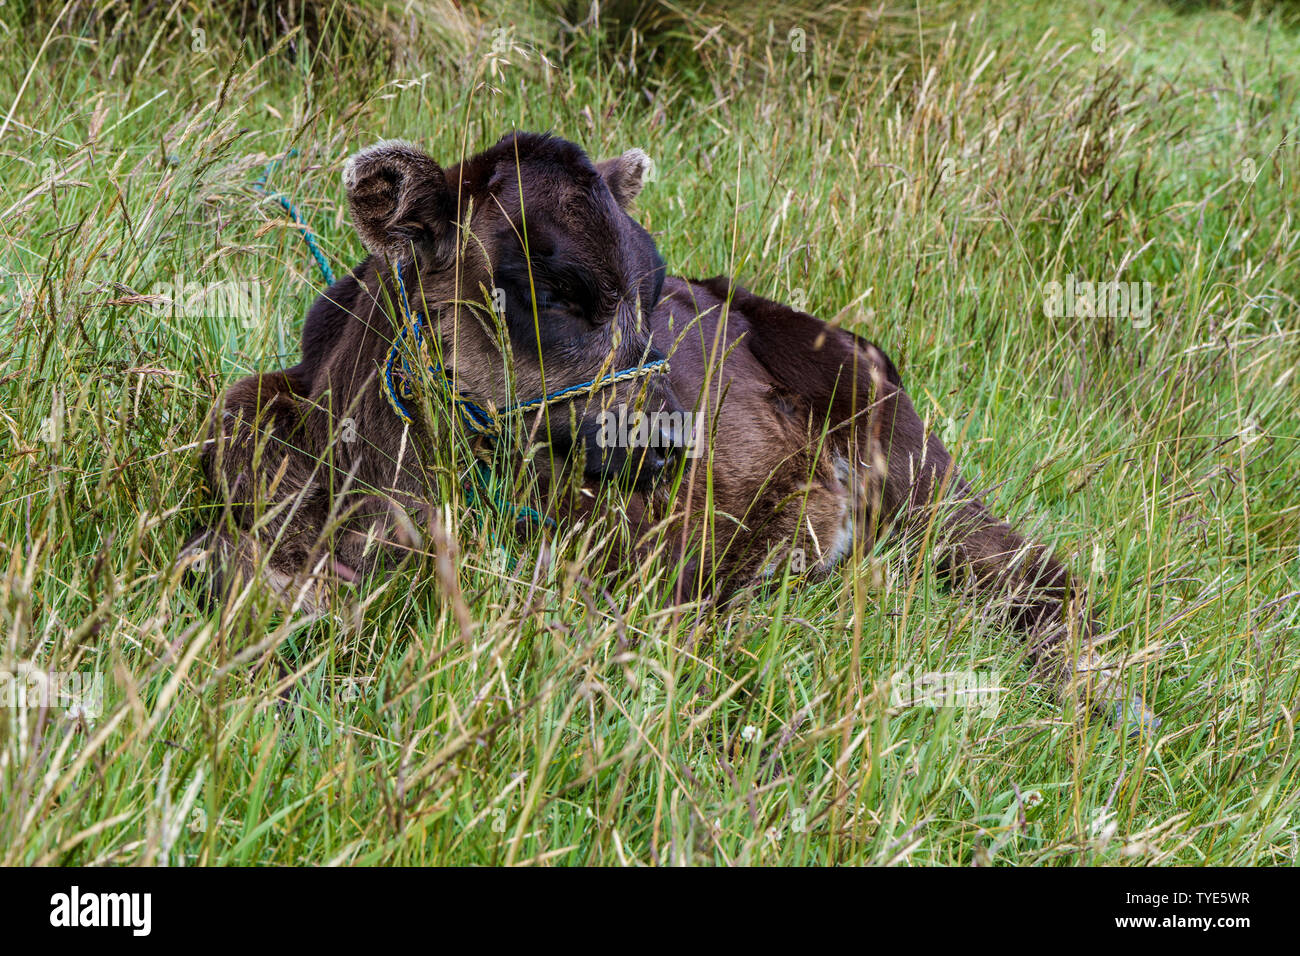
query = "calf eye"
{"x": 552, "y": 303}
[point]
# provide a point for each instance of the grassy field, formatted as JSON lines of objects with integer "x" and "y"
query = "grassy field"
{"x": 920, "y": 174}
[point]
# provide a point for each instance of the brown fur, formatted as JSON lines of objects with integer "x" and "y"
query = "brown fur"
{"x": 811, "y": 441}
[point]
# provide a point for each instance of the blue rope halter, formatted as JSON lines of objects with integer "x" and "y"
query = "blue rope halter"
{"x": 398, "y": 388}
{"x": 397, "y": 379}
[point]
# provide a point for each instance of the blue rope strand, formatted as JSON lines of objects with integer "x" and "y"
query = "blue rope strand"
{"x": 327, "y": 274}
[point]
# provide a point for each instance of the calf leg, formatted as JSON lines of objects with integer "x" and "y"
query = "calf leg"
{"x": 225, "y": 562}
{"x": 916, "y": 485}
{"x": 271, "y": 497}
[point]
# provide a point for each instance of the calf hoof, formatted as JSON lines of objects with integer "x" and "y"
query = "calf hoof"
{"x": 1135, "y": 718}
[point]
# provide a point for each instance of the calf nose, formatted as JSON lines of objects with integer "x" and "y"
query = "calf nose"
{"x": 664, "y": 447}
{"x": 669, "y": 435}
{"x": 672, "y": 440}
{"x": 653, "y": 460}
{"x": 635, "y": 447}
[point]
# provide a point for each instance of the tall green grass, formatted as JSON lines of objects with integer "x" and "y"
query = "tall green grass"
{"x": 917, "y": 179}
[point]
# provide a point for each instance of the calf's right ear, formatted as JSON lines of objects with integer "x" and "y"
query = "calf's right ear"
{"x": 400, "y": 203}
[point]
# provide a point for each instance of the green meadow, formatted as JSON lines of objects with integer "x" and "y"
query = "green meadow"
{"x": 921, "y": 174}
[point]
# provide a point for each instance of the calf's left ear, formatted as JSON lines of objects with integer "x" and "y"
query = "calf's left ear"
{"x": 400, "y": 203}
{"x": 626, "y": 174}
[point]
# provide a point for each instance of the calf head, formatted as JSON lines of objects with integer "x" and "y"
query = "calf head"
{"x": 535, "y": 278}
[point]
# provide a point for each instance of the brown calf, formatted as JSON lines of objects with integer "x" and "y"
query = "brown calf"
{"x": 809, "y": 442}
